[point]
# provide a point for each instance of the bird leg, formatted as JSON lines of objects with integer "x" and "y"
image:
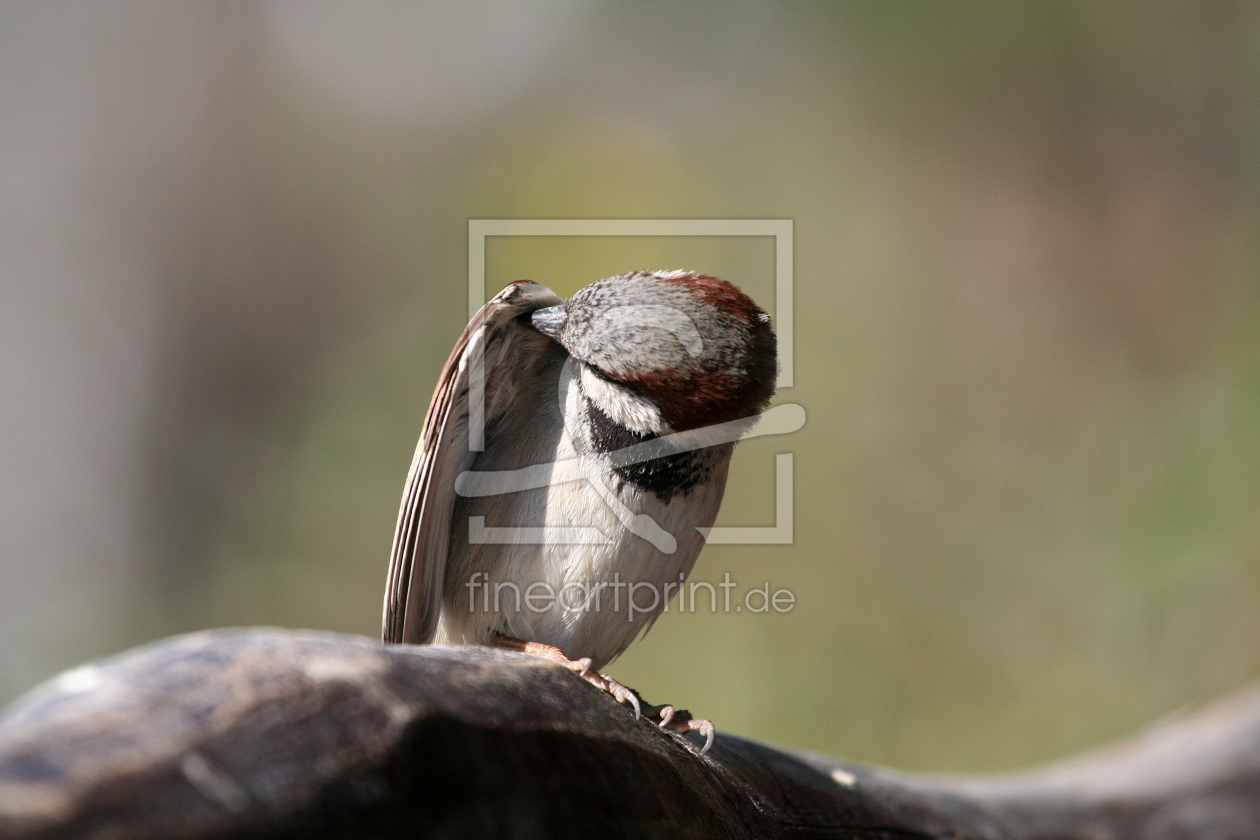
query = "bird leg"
{"x": 666, "y": 716}
{"x": 582, "y": 667}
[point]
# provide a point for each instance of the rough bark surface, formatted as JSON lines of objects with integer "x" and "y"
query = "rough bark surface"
{"x": 296, "y": 734}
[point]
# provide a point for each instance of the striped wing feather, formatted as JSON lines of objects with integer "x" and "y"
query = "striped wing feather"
{"x": 417, "y": 563}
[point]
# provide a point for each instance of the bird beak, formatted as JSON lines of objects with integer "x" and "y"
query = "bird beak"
{"x": 549, "y": 321}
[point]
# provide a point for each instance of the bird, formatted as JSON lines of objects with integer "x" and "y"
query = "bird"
{"x": 571, "y": 455}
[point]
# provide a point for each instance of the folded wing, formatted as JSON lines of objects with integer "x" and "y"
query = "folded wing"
{"x": 475, "y": 385}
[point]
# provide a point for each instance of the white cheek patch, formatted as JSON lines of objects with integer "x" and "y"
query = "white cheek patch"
{"x": 623, "y": 406}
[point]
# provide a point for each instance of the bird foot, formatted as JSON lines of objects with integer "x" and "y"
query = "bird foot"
{"x": 680, "y": 720}
{"x": 666, "y": 716}
{"x": 582, "y": 667}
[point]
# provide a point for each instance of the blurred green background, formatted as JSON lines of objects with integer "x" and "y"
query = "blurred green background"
{"x": 1027, "y": 254}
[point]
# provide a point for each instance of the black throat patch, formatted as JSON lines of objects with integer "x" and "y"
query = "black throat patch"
{"x": 664, "y": 477}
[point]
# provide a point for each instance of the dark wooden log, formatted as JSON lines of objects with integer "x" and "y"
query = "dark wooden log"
{"x": 288, "y": 734}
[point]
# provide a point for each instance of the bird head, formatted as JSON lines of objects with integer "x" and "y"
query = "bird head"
{"x": 667, "y": 351}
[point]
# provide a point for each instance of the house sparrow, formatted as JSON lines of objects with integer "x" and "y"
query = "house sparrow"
{"x": 571, "y": 453}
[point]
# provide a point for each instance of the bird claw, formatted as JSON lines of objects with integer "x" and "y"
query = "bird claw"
{"x": 623, "y": 694}
{"x": 702, "y": 725}
{"x": 681, "y": 721}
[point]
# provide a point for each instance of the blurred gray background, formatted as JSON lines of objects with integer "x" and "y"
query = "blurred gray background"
{"x": 1027, "y": 243}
